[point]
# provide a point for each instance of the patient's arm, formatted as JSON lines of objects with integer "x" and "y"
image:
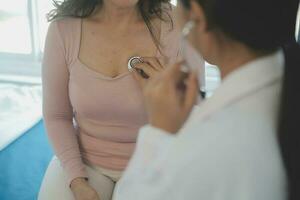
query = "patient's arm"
{"x": 57, "y": 110}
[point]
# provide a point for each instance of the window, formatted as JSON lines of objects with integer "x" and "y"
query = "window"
{"x": 14, "y": 20}
{"x": 23, "y": 27}
{"x": 174, "y": 2}
{"x": 298, "y": 26}
{"x": 44, "y": 7}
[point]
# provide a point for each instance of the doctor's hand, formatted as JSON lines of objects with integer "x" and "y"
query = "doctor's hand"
{"x": 170, "y": 97}
{"x": 148, "y": 68}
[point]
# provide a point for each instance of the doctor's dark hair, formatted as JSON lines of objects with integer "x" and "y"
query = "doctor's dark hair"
{"x": 84, "y": 8}
{"x": 265, "y": 26}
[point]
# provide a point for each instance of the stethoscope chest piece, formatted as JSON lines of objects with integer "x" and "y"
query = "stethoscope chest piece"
{"x": 132, "y": 61}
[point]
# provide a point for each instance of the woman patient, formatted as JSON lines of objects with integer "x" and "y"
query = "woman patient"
{"x": 85, "y": 78}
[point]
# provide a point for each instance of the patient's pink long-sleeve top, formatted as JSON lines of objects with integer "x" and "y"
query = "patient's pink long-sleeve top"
{"x": 89, "y": 117}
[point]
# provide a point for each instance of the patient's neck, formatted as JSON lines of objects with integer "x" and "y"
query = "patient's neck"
{"x": 118, "y": 16}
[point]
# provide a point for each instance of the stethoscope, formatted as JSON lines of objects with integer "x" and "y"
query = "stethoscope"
{"x": 137, "y": 59}
{"x": 131, "y": 66}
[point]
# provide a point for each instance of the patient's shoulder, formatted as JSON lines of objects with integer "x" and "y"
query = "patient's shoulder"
{"x": 66, "y": 25}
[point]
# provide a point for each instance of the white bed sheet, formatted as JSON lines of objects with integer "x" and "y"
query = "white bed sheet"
{"x": 20, "y": 109}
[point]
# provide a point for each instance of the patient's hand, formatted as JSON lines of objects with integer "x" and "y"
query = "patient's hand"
{"x": 82, "y": 190}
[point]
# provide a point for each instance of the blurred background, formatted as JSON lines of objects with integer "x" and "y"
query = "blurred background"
{"x": 24, "y": 149}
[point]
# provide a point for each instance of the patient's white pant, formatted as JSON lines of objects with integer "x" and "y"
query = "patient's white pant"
{"x": 55, "y": 186}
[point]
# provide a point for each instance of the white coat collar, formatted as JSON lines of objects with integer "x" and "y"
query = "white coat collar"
{"x": 243, "y": 82}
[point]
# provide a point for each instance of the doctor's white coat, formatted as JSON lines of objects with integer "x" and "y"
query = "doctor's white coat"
{"x": 227, "y": 150}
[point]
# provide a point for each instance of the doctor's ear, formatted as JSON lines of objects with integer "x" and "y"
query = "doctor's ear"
{"x": 197, "y": 14}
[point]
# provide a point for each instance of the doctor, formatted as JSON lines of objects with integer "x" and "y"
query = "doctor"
{"x": 241, "y": 143}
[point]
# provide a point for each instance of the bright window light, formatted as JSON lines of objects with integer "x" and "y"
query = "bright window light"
{"x": 174, "y": 2}
{"x": 14, "y": 27}
{"x": 298, "y": 25}
{"x": 44, "y": 6}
